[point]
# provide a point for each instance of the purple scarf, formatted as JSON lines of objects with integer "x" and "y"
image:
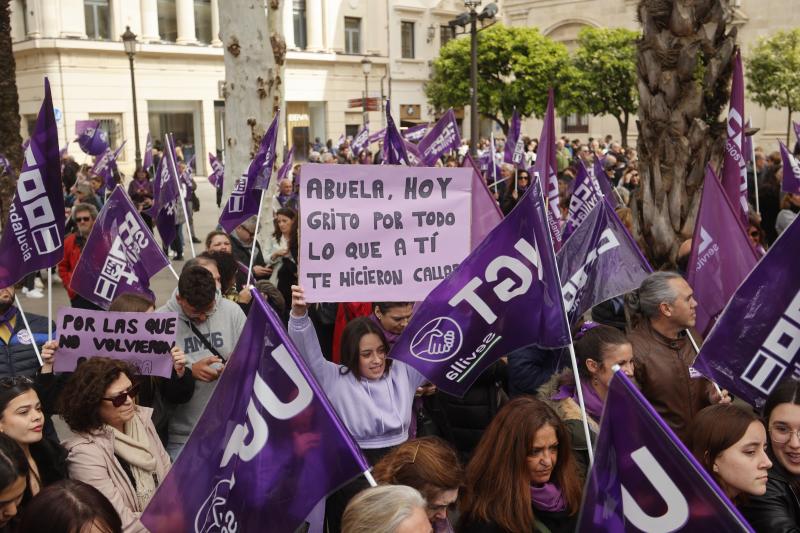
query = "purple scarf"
{"x": 594, "y": 405}
{"x": 391, "y": 338}
{"x": 548, "y": 498}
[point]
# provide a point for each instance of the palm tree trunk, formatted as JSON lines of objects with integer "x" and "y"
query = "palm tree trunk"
{"x": 10, "y": 139}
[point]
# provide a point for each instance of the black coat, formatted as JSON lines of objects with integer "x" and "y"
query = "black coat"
{"x": 242, "y": 254}
{"x": 778, "y": 510}
{"x": 17, "y": 358}
{"x": 51, "y": 460}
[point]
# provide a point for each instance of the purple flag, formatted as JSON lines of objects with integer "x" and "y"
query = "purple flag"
{"x": 148, "y": 153}
{"x": 747, "y": 143}
{"x": 268, "y": 447}
{"x": 485, "y": 213}
{"x": 644, "y": 478}
{"x": 756, "y": 340}
{"x": 600, "y": 261}
{"x": 340, "y": 141}
{"x": 514, "y": 151}
{"x": 377, "y": 136}
{"x": 166, "y": 194}
{"x": 217, "y": 171}
{"x": 440, "y": 139}
{"x": 361, "y": 141}
{"x": 544, "y": 170}
{"x": 105, "y": 166}
{"x": 734, "y": 173}
{"x": 796, "y": 126}
{"x": 265, "y": 158}
{"x": 584, "y": 197}
{"x": 416, "y": 133}
{"x": 34, "y": 233}
{"x": 414, "y": 157}
{"x": 286, "y": 167}
{"x": 722, "y": 254}
{"x": 791, "y": 172}
{"x": 92, "y": 139}
{"x": 503, "y": 296}
{"x": 120, "y": 255}
{"x": 394, "y": 148}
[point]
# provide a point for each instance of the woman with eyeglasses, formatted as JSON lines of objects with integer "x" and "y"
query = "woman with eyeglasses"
{"x": 778, "y": 509}
{"x": 13, "y": 481}
{"x": 429, "y": 465}
{"x": 22, "y": 419}
{"x": 115, "y": 447}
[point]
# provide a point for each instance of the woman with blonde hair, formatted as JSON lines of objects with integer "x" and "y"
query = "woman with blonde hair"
{"x": 386, "y": 509}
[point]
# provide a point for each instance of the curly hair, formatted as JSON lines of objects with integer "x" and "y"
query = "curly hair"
{"x": 79, "y": 402}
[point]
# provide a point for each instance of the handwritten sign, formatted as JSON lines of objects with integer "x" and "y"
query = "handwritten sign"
{"x": 385, "y": 233}
{"x": 143, "y": 339}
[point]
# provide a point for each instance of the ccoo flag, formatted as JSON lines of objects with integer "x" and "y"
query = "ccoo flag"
{"x": 544, "y": 170}
{"x": 598, "y": 262}
{"x": 485, "y": 214}
{"x": 394, "y": 149}
{"x": 120, "y": 255}
{"x": 791, "y": 172}
{"x": 92, "y": 139}
{"x": 441, "y": 138}
{"x": 33, "y": 237}
{"x": 584, "y": 197}
{"x": 166, "y": 194}
{"x": 734, "y": 168}
{"x": 217, "y": 171}
{"x": 265, "y": 157}
{"x": 503, "y": 296}
{"x": 644, "y": 478}
{"x": 148, "y": 153}
{"x": 268, "y": 447}
{"x": 514, "y": 150}
{"x": 756, "y": 340}
{"x": 721, "y": 256}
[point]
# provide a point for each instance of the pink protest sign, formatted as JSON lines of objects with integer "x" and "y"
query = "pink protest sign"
{"x": 381, "y": 233}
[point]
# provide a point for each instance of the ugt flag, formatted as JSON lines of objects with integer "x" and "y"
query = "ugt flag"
{"x": 120, "y": 255}
{"x": 756, "y": 341}
{"x": 217, "y": 171}
{"x": 584, "y": 197}
{"x": 268, "y": 447}
{"x": 92, "y": 139}
{"x": 514, "y": 150}
{"x": 721, "y": 256}
{"x": 394, "y": 149}
{"x": 441, "y": 138}
{"x": 791, "y": 172}
{"x": 600, "y": 261}
{"x": 734, "y": 168}
{"x": 33, "y": 237}
{"x": 644, "y": 478}
{"x": 503, "y": 296}
{"x": 544, "y": 171}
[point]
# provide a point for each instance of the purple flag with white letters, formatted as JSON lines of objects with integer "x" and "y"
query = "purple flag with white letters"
{"x": 286, "y": 167}
{"x": 441, "y": 138}
{"x": 722, "y": 254}
{"x": 485, "y": 214}
{"x": 514, "y": 150}
{"x": 544, "y": 170}
{"x": 120, "y": 255}
{"x": 600, "y": 261}
{"x": 503, "y": 296}
{"x": 166, "y": 194}
{"x": 599, "y": 174}
{"x": 361, "y": 140}
{"x": 791, "y": 171}
{"x": 756, "y": 340}
{"x": 644, "y": 478}
{"x": 394, "y": 148}
{"x": 377, "y": 136}
{"x": 734, "y": 168}
{"x": 33, "y": 237}
{"x": 217, "y": 174}
{"x": 416, "y": 133}
{"x": 266, "y": 155}
{"x": 267, "y": 448}
{"x": 92, "y": 139}
{"x": 585, "y": 196}
{"x": 414, "y": 156}
{"x": 148, "y": 153}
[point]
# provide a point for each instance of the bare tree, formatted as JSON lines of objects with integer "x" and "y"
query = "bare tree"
{"x": 10, "y": 139}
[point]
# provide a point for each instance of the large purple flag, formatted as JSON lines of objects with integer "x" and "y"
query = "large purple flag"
{"x": 791, "y": 172}
{"x": 600, "y": 261}
{"x": 585, "y": 196}
{"x": 394, "y": 148}
{"x": 268, "y": 447}
{"x": 265, "y": 158}
{"x": 416, "y": 133}
{"x": 756, "y": 340}
{"x": 440, "y": 139}
{"x": 148, "y": 153}
{"x": 286, "y": 167}
{"x": 514, "y": 150}
{"x": 544, "y": 170}
{"x": 217, "y": 174}
{"x": 503, "y": 296}
{"x": 721, "y": 256}
{"x": 34, "y": 233}
{"x": 361, "y": 141}
{"x": 166, "y": 195}
{"x": 644, "y": 478}
{"x": 92, "y": 139}
{"x": 734, "y": 173}
{"x": 485, "y": 213}
{"x": 120, "y": 255}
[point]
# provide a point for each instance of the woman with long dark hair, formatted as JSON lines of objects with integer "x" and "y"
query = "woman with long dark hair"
{"x": 14, "y": 472}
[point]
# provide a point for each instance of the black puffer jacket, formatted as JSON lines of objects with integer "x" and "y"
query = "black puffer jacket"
{"x": 17, "y": 357}
{"x": 777, "y": 511}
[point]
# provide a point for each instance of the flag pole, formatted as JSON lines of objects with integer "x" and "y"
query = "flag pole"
{"x": 255, "y": 237}
{"x": 755, "y": 170}
{"x": 171, "y": 269}
{"x": 697, "y": 352}
{"x": 25, "y": 320}
{"x": 49, "y": 303}
{"x": 182, "y": 200}
{"x": 368, "y": 475}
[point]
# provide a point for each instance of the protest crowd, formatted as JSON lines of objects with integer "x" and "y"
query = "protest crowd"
{"x": 251, "y": 400}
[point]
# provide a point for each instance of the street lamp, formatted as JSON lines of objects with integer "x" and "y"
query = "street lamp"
{"x": 366, "y": 68}
{"x": 129, "y": 41}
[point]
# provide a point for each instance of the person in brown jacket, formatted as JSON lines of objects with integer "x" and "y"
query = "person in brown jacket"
{"x": 115, "y": 447}
{"x": 665, "y": 307}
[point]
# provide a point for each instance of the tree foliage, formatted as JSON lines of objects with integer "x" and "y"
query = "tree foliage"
{"x": 773, "y": 72}
{"x": 516, "y": 66}
{"x": 605, "y": 62}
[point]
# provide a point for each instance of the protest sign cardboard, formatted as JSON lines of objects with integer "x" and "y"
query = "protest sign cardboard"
{"x": 390, "y": 231}
{"x": 143, "y": 339}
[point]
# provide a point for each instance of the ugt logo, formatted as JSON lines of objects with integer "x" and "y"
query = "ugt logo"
{"x": 438, "y": 340}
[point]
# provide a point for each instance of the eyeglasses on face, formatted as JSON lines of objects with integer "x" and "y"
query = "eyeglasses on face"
{"x": 83, "y": 219}
{"x": 783, "y": 434}
{"x": 120, "y": 398}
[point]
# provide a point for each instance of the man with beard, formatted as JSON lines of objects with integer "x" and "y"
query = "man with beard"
{"x": 83, "y": 215}
{"x": 17, "y": 356}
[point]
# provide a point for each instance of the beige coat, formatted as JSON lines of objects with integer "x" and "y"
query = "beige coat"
{"x": 91, "y": 460}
